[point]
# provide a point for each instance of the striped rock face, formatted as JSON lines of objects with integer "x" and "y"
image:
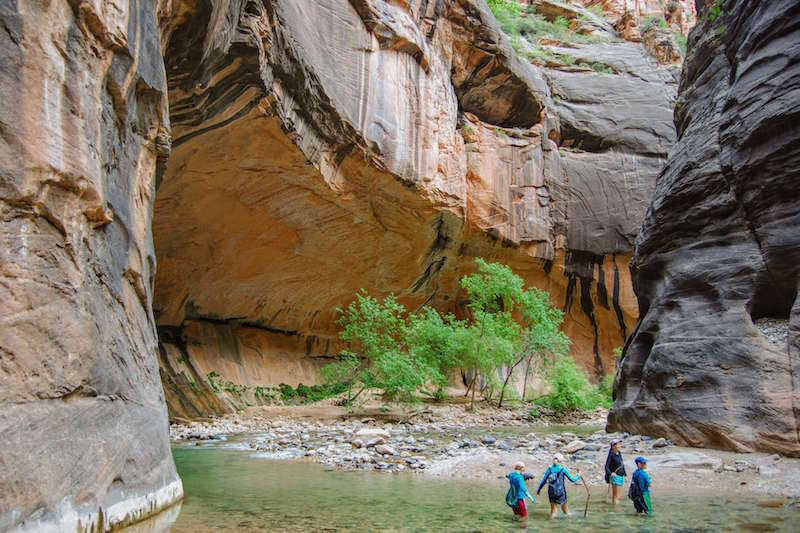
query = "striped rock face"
{"x": 713, "y": 360}
{"x": 272, "y": 157}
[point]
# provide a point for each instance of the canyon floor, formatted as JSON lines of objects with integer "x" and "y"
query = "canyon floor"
{"x": 448, "y": 440}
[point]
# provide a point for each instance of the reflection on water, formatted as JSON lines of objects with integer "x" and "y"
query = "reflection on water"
{"x": 230, "y": 490}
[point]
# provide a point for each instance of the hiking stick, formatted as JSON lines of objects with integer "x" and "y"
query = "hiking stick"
{"x": 588, "y": 496}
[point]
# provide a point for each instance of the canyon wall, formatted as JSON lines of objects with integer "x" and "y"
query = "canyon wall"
{"x": 327, "y": 146}
{"x": 715, "y": 356}
{"x": 83, "y": 424}
{"x": 275, "y": 157}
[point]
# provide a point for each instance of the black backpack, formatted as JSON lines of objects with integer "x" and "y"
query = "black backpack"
{"x": 634, "y": 492}
{"x": 555, "y": 484}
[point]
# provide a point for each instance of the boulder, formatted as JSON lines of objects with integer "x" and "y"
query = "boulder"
{"x": 367, "y": 434}
{"x": 383, "y": 449}
{"x": 574, "y": 446}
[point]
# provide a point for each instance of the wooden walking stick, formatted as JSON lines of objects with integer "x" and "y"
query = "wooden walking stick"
{"x": 588, "y": 496}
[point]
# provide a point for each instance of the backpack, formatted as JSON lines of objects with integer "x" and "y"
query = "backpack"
{"x": 634, "y": 492}
{"x": 511, "y": 495}
{"x": 555, "y": 482}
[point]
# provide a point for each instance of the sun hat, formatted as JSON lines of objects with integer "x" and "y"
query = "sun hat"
{"x": 615, "y": 441}
{"x": 558, "y": 457}
{"x": 640, "y": 459}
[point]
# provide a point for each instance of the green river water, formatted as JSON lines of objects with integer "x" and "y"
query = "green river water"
{"x": 233, "y": 490}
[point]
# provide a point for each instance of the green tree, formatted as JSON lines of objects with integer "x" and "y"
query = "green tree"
{"x": 396, "y": 354}
{"x": 494, "y": 292}
{"x": 437, "y": 342}
{"x": 542, "y": 339}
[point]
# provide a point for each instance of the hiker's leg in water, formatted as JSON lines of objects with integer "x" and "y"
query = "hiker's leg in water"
{"x": 615, "y": 494}
{"x": 553, "y": 510}
{"x": 648, "y": 507}
{"x": 564, "y": 508}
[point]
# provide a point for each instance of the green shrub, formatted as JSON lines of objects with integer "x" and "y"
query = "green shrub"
{"x": 682, "y": 42}
{"x": 602, "y": 68}
{"x": 212, "y": 376}
{"x": 716, "y": 11}
{"x": 570, "y": 388}
{"x": 561, "y": 23}
{"x": 287, "y": 391}
{"x": 650, "y": 21}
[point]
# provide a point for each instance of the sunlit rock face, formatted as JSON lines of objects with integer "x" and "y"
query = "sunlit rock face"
{"x": 322, "y": 147}
{"x": 713, "y": 360}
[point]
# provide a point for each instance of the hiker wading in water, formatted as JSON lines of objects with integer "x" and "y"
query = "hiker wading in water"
{"x": 556, "y": 491}
{"x": 639, "y": 492}
{"x": 515, "y": 497}
{"x": 615, "y": 471}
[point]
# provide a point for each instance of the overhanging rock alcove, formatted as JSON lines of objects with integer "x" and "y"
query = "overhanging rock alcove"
{"x": 319, "y": 148}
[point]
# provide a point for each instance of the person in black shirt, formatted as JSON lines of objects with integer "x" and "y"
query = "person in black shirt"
{"x": 615, "y": 471}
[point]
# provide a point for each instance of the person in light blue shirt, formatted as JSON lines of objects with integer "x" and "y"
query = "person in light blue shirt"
{"x": 556, "y": 491}
{"x": 517, "y": 492}
{"x": 639, "y": 491}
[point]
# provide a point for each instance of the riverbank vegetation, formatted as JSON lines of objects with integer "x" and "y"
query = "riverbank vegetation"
{"x": 406, "y": 355}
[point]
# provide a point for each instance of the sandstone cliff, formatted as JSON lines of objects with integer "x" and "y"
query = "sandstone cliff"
{"x": 83, "y": 424}
{"x": 282, "y": 155}
{"x": 324, "y": 147}
{"x": 719, "y": 251}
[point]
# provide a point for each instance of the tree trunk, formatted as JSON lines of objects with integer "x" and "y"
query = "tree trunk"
{"x": 474, "y": 386}
{"x": 508, "y": 377}
{"x": 525, "y": 381}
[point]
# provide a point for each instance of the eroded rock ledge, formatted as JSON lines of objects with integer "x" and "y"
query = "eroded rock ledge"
{"x": 326, "y": 146}
{"x": 720, "y": 247}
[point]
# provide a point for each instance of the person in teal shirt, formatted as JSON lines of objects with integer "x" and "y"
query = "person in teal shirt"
{"x": 640, "y": 487}
{"x": 556, "y": 491}
{"x": 517, "y": 491}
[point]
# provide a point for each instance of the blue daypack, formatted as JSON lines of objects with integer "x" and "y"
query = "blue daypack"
{"x": 511, "y": 495}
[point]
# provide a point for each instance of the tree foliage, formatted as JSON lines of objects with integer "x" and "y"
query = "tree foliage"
{"x": 402, "y": 354}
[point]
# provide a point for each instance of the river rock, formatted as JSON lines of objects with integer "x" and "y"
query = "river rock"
{"x": 574, "y": 446}
{"x": 659, "y": 443}
{"x": 488, "y": 440}
{"x": 385, "y": 450}
{"x": 374, "y": 442}
{"x": 367, "y": 434}
{"x": 357, "y": 443}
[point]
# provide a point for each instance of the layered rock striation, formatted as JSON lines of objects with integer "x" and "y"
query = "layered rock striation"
{"x": 715, "y": 356}
{"x": 277, "y": 156}
{"x": 83, "y": 424}
{"x": 323, "y": 147}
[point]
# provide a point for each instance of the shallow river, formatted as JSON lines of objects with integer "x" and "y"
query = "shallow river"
{"x": 230, "y": 490}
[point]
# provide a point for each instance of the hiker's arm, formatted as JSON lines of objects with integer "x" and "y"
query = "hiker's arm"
{"x": 574, "y": 479}
{"x": 544, "y": 480}
{"x": 527, "y": 476}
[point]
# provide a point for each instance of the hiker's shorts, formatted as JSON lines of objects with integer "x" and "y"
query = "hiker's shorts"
{"x": 617, "y": 480}
{"x": 520, "y": 509}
